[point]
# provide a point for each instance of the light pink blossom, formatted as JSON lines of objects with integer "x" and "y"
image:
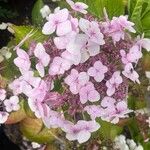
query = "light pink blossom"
{"x": 92, "y": 30}
{"x": 3, "y": 117}
{"x": 113, "y": 110}
{"x": 16, "y": 86}
{"x": 144, "y": 43}
{"x": 75, "y": 80}
{"x": 117, "y": 26}
{"x": 62, "y": 41}
{"x": 97, "y": 71}
{"x": 43, "y": 59}
{"x": 59, "y": 22}
{"x": 130, "y": 73}
{"x": 22, "y": 61}
{"x": 113, "y": 83}
{"x": 73, "y": 59}
{"x": 2, "y": 94}
{"x": 133, "y": 56}
{"x": 39, "y": 92}
{"x": 81, "y": 131}
{"x": 88, "y": 92}
{"x": 59, "y": 66}
{"x": 94, "y": 111}
{"x": 12, "y": 104}
{"x": 78, "y": 6}
{"x": 83, "y": 47}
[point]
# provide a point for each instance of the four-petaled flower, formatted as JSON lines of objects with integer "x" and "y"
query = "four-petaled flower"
{"x": 22, "y": 61}
{"x": 113, "y": 83}
{"x": 43, "y": 59}
{"x": 12, "y": 104}
{"x": 75, "y": 80}
{"x": 81, "y": 131}
{"x": 59, "y": 66}
{"x": 78, "y": 6}
{"x": 130, "y": 73}
{"x": 88, "y": 92}
{"x": 97, "y": 71}
{"x": 59, "y": 22}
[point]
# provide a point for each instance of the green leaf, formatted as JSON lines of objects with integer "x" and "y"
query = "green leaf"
{"x": 136, "y": 15}
{"x": 113, "y": 7}
{"x": 131, "y": 6}
{"x": 34, "y": 131}
{"x": 109, "y": 130}
{"x": 58, "y": 85}
{"x": 139, "y": 13}
{"x": 9, "y": 70}
{"x": 36, "y": 15}
{"x": 96, "y": 7}
{"x": 22, "y": 31}
{"x": 135, "y": 103}
{"x": 134, "y": 130}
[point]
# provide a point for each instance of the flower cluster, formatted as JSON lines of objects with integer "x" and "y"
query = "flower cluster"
{"x": 7, "y": 105}
{"x": 93, "y": 61}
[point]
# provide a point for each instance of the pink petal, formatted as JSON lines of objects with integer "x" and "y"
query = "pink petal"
{"x": 110, "y": 91}
{"x": 48, "y": 28}
{"x": 93, "y": 96}
{"x": 64, "y": 28}
{"x": 83, "y": 136}
{"x": 91, "y": 72}
{"x": 62, "y": 15}
{"x": 40, "y": 69}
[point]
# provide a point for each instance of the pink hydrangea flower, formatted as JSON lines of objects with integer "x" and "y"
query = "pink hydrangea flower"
{"x": 83, "y": 47}
{"x": 81, "y": 131}
{"x": 108, "y": 102}
{"x": 39, "y": 92}
{"x": 33, "y": 104}
{"x": 22, "y": 61}
{"x": 29, "y": 78}
{"x": 12, "y": 104}
{"x": 55, "y": 120}
{"x": 59, "y": 22}
{"x": 133, "y": 56}
{"x": 62, "y": 41}
{"x": 75, "y": 80}
{"x": 92, "y": 30}
{"x": 113, "y": 83}
{"x": 78, "y": 6}
{"x": 97, "y": 71}
{"x": 89, "y": 49}
{"x": 88, "y": 92}
{"x": 59, "y": 66}
{"x": 3, "y": 117}
{"x": 16, "y": 86}
{"x": 73, "y": 59}
{"x": 2, "y": 94}
{"x": 130, "y": 73}
{"x": 113, "y": 111}
{"x": 144, "y": 43}
{"x": 117, "y": 26}
{"x": 94, "y": 111}
{"x": 43, "y": 57}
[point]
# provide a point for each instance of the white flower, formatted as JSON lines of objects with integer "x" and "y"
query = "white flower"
{"x": 3, "y": 26}
{"x": 2, "y": 94}
{"x": 45, "y": 11}
{"x": 3, "y": 117}
{"x": 35, "y": 145}
{"x": 12, "y": 104}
